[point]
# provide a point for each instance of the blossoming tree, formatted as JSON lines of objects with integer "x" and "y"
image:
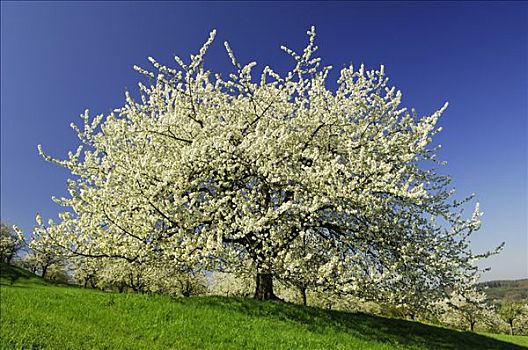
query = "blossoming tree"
{"x": 513, "y": 311}
{"x": 10, "y": 244}
{"x": 211, "y": 171}
{"x": 467, "y": 307}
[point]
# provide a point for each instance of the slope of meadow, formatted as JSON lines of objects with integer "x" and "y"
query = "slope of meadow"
{"x": 40, "y": 315}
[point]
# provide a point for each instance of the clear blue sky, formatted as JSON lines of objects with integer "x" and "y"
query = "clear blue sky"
{"x": 59, "y": 58}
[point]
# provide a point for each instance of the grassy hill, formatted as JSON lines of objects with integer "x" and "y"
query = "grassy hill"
{"x": 39, "y": 315}
{"x": 506, "y": 290}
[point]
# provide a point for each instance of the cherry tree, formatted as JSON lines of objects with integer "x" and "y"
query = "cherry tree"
{"x": 511, "y": 311}
{"x": 522, "y": 323}
{"x": 10, "y": 244}
{"x": 43, "y": 253}
{"x": 466, "y": 305}
{"x": 211, "y": 171}
{"x": 86, "y": 271}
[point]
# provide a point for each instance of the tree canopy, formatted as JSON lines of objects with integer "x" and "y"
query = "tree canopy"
{"x": 312, "y": 185}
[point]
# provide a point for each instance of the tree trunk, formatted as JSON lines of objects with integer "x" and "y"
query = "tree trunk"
{"x": 511, "y": 327}
{"x": 264, "y": 290}
{"x": 303, "y": 294}
{"x": 132, "y": 285}
{"x": 186, "y": 291}
{"x": 472, "y": 326}
{"x": 44, "y": 270}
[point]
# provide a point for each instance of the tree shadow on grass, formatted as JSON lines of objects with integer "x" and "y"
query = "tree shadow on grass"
{"x": 361, "y": 326}
{"x": 12, "y": 274}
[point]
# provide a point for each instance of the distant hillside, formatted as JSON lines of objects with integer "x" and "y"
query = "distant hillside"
{"x": 35, "y": 314}
{"x": 506, "y": 289}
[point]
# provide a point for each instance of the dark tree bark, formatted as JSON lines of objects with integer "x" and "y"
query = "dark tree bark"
{"x": 472, "y": 326}
{"x": 132, "y": 284}
{"x": 303, "y": 294}
{"x": 511, "y": 326}
{"x": 44, "y": 270}
{"x": 264, "y": 289}
{"x": 187, "y": 290}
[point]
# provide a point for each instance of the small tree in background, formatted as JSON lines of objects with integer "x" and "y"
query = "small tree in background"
{"x": 86, "y": 271}
{"x": 29, "y": 262}
{"x": 10, "y": 243}
{"x": 41, "y": 261}
{"x": 466, "y": 306}
{"x": 511, "y": 311}
{"x": 43, "y": 251}
{"x": 522, "y": 323}
{"x": 58, "y": 272}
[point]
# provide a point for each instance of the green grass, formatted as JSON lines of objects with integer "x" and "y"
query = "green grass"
{"x": 519, "y": 340}
{"x": 39, "y": 315}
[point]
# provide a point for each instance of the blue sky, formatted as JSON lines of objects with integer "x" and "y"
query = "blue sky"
{"x": 58, "y": 59}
